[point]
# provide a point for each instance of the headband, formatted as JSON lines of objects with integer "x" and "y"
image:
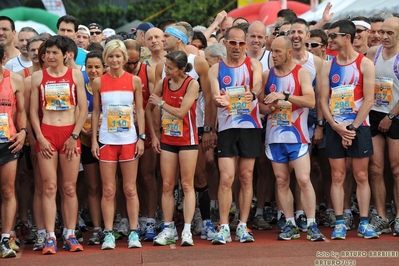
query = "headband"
{"x": 177, "y": 33}
{"x": 362, "y": 23}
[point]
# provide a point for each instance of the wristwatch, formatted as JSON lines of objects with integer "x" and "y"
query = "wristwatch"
{"x": 75, "y": 136}
{"x": 253, "y": 96}
{"x": 143, "y": 137}
{"x": 286, "y": 94}
{"x": 25, "y": 129}
{"x": 207, "y": 129}
{"x": 351, "y": 127}
{"x": 160, "y": 104}
{"x": 391, "y": 116}
{"x": 321, "y": 123}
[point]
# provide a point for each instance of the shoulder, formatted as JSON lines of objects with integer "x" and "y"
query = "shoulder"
{"x": 16, "y": 77}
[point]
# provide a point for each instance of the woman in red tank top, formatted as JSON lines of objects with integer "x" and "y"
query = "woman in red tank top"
{"x": 176, "y": 95}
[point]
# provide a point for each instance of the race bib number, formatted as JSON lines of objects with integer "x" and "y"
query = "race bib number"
{"x": 57, "y": 96}
{"x": 87, "y": 124}
{"x": 282, "y": 116}
{"x": 119, "y": 117}
{"x": 342, "y": 100}
{"x": 172, "y": 126}
{"x": 238, "y": 105}
{"x": 383, "y": 91}
{"x": 4, "y": 128}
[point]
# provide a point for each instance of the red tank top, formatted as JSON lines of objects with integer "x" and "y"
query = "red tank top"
{"x": 142, "y": 74}
{"x": 57, "y": 93}
{"x": 175, "y": 131}
{"x": 7, "y": 105}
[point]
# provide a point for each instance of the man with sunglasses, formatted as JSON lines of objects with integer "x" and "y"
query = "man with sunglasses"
{"x": 236, "y": 84}
{"x": 360, "y": 43}
{"x": 346, "y": 97}
{"x": 384, "y": 122}
{"x": 96, "y": 32}
{"x": 317, "y": 44}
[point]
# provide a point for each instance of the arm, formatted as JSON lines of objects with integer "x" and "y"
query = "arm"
{"x": 215, "y": 24}
{"x": 153, "y": 120}
{"x": 214, "y": 83}
{"x": 95, "y": 117}
{"x": 326, "y": 17}
{"x": 318, "y": 135}
{"x": 372, "y": 52}
{"x": 19, "y": 138}
{"x": 265, "y": 109}
{"x": 257, "y": 70}
{"x": 158, "y": 71}
{"x": 138, "y": 98}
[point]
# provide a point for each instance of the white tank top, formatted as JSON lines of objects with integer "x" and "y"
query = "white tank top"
{"x": 309, "y": 66}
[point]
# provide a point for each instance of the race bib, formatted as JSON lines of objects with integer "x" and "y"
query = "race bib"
{"x": 119, "y": 117}
{"x": 4, "y": 128}
{"x": 282, "y": 116}
{"x": 238, "y": 105}
{"x": 342, "y": 100}
{"x": 57, "y": 96}
{"x": 172, "y": 126}
{"x": 383, "y": 91}
{"x": 87, "y": 124}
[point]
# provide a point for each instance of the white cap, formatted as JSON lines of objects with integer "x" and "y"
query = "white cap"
{"x": 83, "y": 29}
{"x": 108, "y": 32}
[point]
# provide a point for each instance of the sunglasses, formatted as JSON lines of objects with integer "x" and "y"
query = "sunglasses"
{"x": 235, "y": 43}
{"x": 95, "y": 32}
{"x": 334, "y": 35}
{"x": 133, "y": 63}
{"x": 312, "y": 44}
{"x": 358, "y": 31}
{"x": 283, "y": 33}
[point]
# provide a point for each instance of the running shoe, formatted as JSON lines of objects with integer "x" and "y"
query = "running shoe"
{"x": 289, "y": 232}
{"x": 96, "y": 238}
{"x": 142, "y": 225}
{"x": 330, "y": 219}
{"x": 281, "y": 223}
{"x": 109, "y": 241}
{"x": 166, "y": 237}
{"x": 196, "y": 224}
{"x": 367, "y": 231}
{"x": 268, "y": 215}
{"x": 31, "y": 238}
{"x": 40, "y": 242}
{"x": 223, "y": 236}
{"x": 124, "y": 227}
{"x": 150, "y": 232}
{"x": 235, "y": 220}
{"x": 186, "y": 238}
{"x": 243, "y": 235}
{"x": 349, "y": 221}
{"x": 260, "y": 223}
{"x": 117, "y": 221}
{"x": 13, "y": 243}
{"x": 81, "y": 223}
{"x": 339, "y": 231}
{"x": 72, "y": 244}
{"x": 214, "y": 216}
{"x": 381, "y": 226}
{"x": 208, "y": 230}
{"x": 396, "y": 227}
{"x": 314, "y": 233}
{"x": 50, "y": 247}
{"x": 391, "y": 212}
{"x": 79, "y": 235}
{"x": 5, "y": 249}
{"x": 134, "y": 240}
{"x": 301, "y": 222}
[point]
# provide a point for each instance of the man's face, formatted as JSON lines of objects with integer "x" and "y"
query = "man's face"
{"x": 235, "y": 44}
{"x": 256, "y": 37}
{"x": 389, "y": 33}
{"x": 67, "y": 29}
{"x": 361, "y": 36}
{"x": 298, "y": 35}
{"x": 23, "y": 38}
{"x": 211, "y": 59}
{"x": 154, "y": 39}
{"x": 374, "y": 37}
{"x": 336, "y": 40}
{"x": 279, "y": 52}
{"x": 169, "y": 42}
{"x": 34, "y": 51}
{"x": 96, "y": 35}
{"x": 314, "y": 46}
{"x": 82, "y": 40}
{"x": 133, "y": 60}
{"x": 6, "y": 33}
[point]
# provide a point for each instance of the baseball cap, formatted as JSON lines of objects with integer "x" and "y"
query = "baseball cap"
{"x": 143, "y": 27}
{"x": 95, "y": 26}
{"x": 108, "y": 32}
{"x": 84, "y": 29}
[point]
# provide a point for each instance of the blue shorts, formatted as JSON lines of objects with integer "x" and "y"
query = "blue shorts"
{"x": 286, "y": 152}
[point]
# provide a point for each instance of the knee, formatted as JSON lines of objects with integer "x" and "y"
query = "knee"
{"x": 109, "y": 192}
{"x": 361, "y": 177}
{"x": 168, "y": 186}
{"x": 187, "y": 185}
{"x": 69, "y": 190}
{"x": 338, "y": 177}
{"x": 375, "y": 170}
{"x": 246, "y": 182}
{"x": 226, "y": 181}
{"x": 282, "y": 181}
{"x": 7, "y": 193}
{"x": 50, "y": 189}
{"x": 130, "y": 192}
{"x": 303, "y": 181}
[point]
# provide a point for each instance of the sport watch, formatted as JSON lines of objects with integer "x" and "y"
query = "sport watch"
{"x": 391, "y": 116}
{"x": 75, "y": 136}
{"x": 207, "y": 129}
{"x": 321, "y": 123}
{"x": 351, "y": 127}
{"x": 286, "y": 94}
{"x": 143, "y": 137}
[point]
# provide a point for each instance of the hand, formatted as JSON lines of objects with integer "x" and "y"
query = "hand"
{"x": 220, "y": 16}
{"x": 156, "y": 145}
{"x": 343, "y": 132}
{"x": 273, "y": 97}
{"x": 384, "y": 124}
{"x": 19, "y": 140}
{"x": 139, "y": 148}
{"x": 346, "y": 143}
{"x": 224, "y": 99}
{"x": 318, "y": 135}
{"x": 154, "y": 99}
{"x": 248, "y": 94}
{"x": 327, "y": 16}
{"x": 46, "y": 150}
{"x": 209, "y": 141}
{"x": 70, "y": 148}
{"x": 95, "y": 150}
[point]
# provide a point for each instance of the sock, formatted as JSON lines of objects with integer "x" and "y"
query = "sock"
{"x": 339, "y": 219}
{"x": 51, "y": 234}
{"x": 310, "y": 220}
{"x": 214, "y": 204}
{"x": 242, "y": 224}
{"x": 298, "y": 212}
{"x": 279, "y": 214}
{"x": 187, "y": 227}
{"x": 292, "y": 220}
{"x": 150, "y": 221}
{"x": 13, "y": 233}
{"x": 170, "y": 225}
{"x": 259, "y": 211}
{"x": 374, "y": 211}
{"x": 42, "y": 231}
{"x": 97, "y": 229}
{"x": 348, "y": 211}
{"x": 204, "y": 202}
{"x": 70, "y": 232}
{"x": 64, "y": 231}
{"x": 5, "y": 236}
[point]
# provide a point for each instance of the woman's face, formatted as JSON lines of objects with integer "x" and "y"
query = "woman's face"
{"x": 115, "y": 60}
{"x": 197, "y": 43}
{"x": 171, "y": 69}
{"x": 94, "y": 67}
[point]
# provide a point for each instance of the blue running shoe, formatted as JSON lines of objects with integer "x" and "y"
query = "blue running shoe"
{"x": 50, "y": 247}
{"x": 223, "y": 236}
{"x": 290, "y": 231}
{"x": 243, "y": 235}
{"x": 150, "y": 232}
{"x": 208, "y": 230}
{"x": 367, "y": 231}
{"x": 281, "y": 223}
{"x": 109, "y": 240}
{"x": 134, "y": 240}
{"x": 301, "y": 222}
{"x": 72, "y": 244}
{"x": 339, "y": 232}
{"x": 314, "y": 233}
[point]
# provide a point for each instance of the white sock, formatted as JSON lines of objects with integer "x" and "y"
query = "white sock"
{"x": 70, "y": 232}
{"x": 374, "y": 212}
{"x": 5, "y": 236}
{"x": 187, "y": 227}
{"x": 64, "y": 231}
{"x": 292, "y": 219}
{"x": 13, "y": 233}
{"x": 348, "y": 211}
{"x": 51, "y": 234}
{"x": 42, "y": 231}
{"x": 298, "y": 212}
{"x": 279, "y": 214}
{"x": 310, "y": 220}
{"x": 259, "y": 211}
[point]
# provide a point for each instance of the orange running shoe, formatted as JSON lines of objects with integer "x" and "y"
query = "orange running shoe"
{"x": 72, "y": 244}
{"x": 51, "y": 246}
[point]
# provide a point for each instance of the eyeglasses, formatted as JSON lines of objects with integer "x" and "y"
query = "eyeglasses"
{"x": 313, "y": 44}
{"x": 234, "y": 43}
{"x": 95, "y": 33}
{"x": 358, "y": 31}
{"x": 283, "y": 33}
{"x": 133, "y": 63}
{"x": 334, "y": 35}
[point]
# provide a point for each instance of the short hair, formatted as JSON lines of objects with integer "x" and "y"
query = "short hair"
{"x": 68, "y": 19}
{"x": 199, "y": 28}
{"x": 95, "y": 46}
{"x": 312, "y": 22}
{"x": 41, "y": 52}
{"x": 381, "y": 15}
{"x": 200, "y": 36}
{"x": 244, "y": 26}
{"x": 240, "y": 18}
{"x": 95, "y": 54}
{"x": 132, "y": 45}
{"x": 321, "y": 34}
{"x": 28, "y": 29}
{"x": 375, "y": 19}
{"x": 227, "y": 32}
{"x": 189, "y": 29}
{"x": 112, "y": 45}
{"x": 33, "y": 39}
{"x": 114, "y": 37}
{"x": 72, "y": 47}
{"x": 287, "y": 14}
{"x": 1, "y": 52}
{"x": 345, "y": 26}
{"x": 10, "y": 20}
{"x": 180, "y": 59}
{"x": 60, "y": 42}
{"x": 301, "y": 21}
{"x": 216, "y": 49}
{"x": 45, "y": 35}
{"x": 269, "y": 29}
{"x": 165, "y": 23}
{"x": 326, "y": 26}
